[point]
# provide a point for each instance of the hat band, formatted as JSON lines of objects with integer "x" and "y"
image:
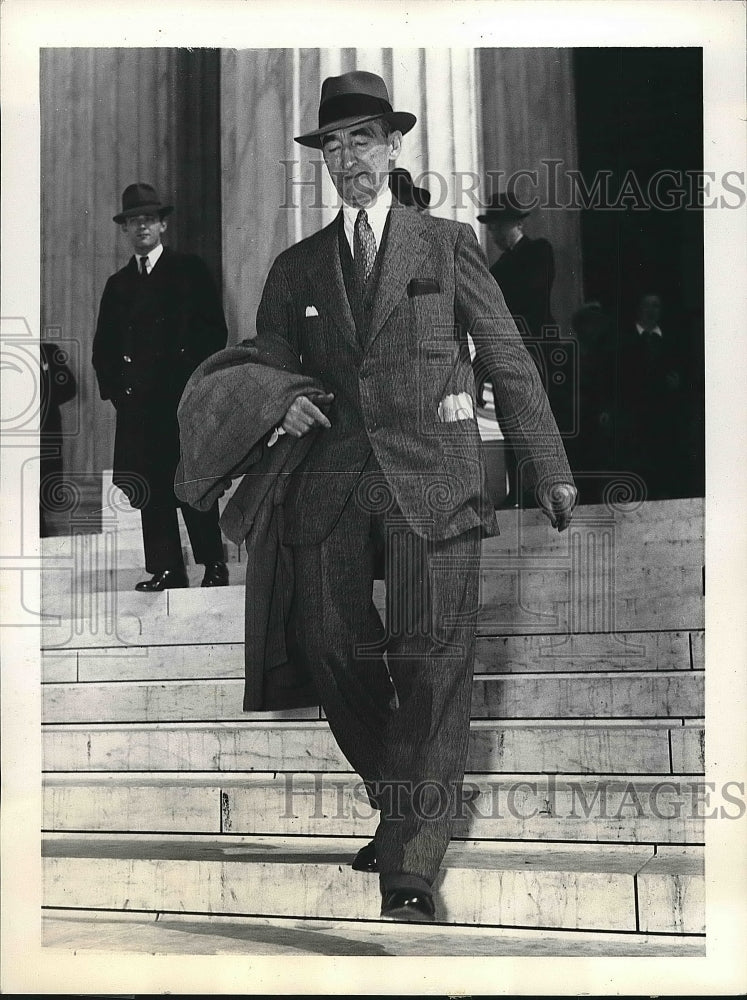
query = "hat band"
{"x": 344, "y": 106}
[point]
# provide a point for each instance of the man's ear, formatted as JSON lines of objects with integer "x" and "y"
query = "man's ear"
{"x": 395, "y": 144}
{"x": 164, "y": 225}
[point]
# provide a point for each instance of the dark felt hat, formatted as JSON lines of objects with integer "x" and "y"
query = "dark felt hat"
{"x": 354, "y": 99}
{"x": 141, "y": 199}
{"x": 406, "y": 191}
{"x": 503, "y": 207}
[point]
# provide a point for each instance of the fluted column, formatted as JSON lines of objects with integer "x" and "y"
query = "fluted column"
{"x": 106, "y": 121}
{"x": 528, "y": 120}
{"x": 110, "y": 117}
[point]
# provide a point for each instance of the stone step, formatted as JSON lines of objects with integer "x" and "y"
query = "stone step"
{"x": 567, "y": 602}
{"x": 675, "y": 525}
{"x": 649, "y": 694}
{"x": 193, "y": 934}
{"x": 57, "y": 584}
{"x": 118, "y": 547}
{"x": 633, "y": 651}
{"x": 611, "y": 747}
{"x": 590, "y": 887}
{"x": 638, "y": 568}
{"x": 79, "y": 620}
{"x": 598, "y": 808}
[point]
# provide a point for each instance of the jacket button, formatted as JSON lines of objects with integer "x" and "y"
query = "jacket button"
{"x": 182, "y": 350}
{"x": 127, "y": 358}
{"x": 128, "y": 390}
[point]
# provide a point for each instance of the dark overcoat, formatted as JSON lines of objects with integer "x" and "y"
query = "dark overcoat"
{"x": 526, "y": 274}
{"x": 230, "y": 405}
{"x": 151, "y": 335}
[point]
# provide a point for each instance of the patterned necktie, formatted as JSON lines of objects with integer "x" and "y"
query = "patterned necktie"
{"x": 364, "y": 247}
{"x": 143, "y": 267}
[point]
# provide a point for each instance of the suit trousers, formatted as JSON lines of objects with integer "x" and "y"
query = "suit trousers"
{"x": 161, "y": 541}
{"x": 397, "y": 698}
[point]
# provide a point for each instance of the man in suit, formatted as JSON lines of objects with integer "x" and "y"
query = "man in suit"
{"x": 160, "y": 316}
{"x": 652, "y": 415}
{"x": 378, "y": 306}
{"x": 526, "y": 268}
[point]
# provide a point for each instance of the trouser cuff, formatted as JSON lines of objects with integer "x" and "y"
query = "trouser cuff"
{"x": 389, "y": 881}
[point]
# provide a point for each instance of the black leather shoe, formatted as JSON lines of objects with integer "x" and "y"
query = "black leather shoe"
{"x": 216, "y": 575}
{"x": 365, "y": 859}
{"x": 167, "y": 579}
{"x": 413, "y": 905}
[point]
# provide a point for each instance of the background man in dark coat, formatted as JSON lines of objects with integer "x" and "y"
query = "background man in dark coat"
{"x": 378, "y": 305}
{"x": 525, "y": 272}
{"x": 652, "y": 415}
{"x": 160, "y": 316}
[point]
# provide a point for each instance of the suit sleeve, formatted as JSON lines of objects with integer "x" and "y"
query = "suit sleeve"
{"x": 526, "y": 418}
{"x": 105, "y": 345}
{"x": 276, "y": 316}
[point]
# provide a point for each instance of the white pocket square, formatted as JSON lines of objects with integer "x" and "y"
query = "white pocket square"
{"x": 311, "y": 311}
{"x": 455, "y": 407}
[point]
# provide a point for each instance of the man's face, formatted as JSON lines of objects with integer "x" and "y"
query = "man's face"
{"x": 358, "y": 160}
{"x": 650, "y": 311}
{"x": 144, "y": 232}
{"x": 505, "y": 233}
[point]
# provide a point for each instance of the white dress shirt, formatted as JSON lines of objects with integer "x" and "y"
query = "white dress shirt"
{"x": 152, "y": 258}
{"x": 376, "y": 212}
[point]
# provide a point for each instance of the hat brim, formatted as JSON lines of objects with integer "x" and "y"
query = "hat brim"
{"x": 502, "y": 215}
{"x": 130, "y": 213}
{"x": 400, "y": 121}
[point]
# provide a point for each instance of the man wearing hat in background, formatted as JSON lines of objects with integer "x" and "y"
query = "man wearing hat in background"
{"x": 378, "y": 306}
{"x": 160, "y": 316}
{"x": 525, "y": 272}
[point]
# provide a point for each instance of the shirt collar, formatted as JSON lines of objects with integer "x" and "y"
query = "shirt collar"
{"x": 152, "y": 257}
{"x": 514, "y": 246}
{"x": 376, "y": 212}
{"x": 654, "y": 329}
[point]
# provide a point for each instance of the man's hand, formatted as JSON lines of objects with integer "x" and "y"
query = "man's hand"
{"x": 303, "y": 415}
{"x": 558, "y": 504}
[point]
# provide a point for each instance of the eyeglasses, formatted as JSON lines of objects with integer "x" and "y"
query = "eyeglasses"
{"x": 135, "y": 221}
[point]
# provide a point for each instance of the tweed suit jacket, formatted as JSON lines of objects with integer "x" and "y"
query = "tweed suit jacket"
{"x": 434, "y": 288}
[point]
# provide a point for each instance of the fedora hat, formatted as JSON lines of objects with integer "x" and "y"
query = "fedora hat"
{"x": 141, "y": 199}
{"x": 503, "y": 207}
{"x": 406, "y": 191}
{"x": 354, "y": 99}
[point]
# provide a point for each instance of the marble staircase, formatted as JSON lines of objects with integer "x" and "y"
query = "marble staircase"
{"x": 162, "y": 800}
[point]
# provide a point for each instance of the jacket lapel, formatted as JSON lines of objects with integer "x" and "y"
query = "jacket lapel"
{"x": 405, "y": 247}
{"x": 326, "y": 276}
